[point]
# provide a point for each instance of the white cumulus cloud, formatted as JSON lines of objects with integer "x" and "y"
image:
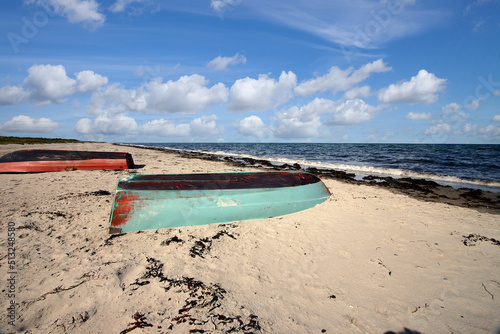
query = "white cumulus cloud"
{"x": 440, "y": 128}
{"x": 453, "y": 110}
{"x": 474, "y": 104}
{"x": 412, "y": 116}
{"x": 467, "y": 129}
{"x": 221, "y": 63}
{"x": 338, "y": 80}
{"x": 165, "y": 128}
{"x": 189, "y": 94}
{"x": 47, "y": 84}
{"x": 422, "y": 88}
{"x": 113, "y": 99}
{"x": 83, "y": 126}
{"x": 297, "y": 123}
{"x": 303, "y": 122}
{"x": 88, "y": 81}
{"x": 357, "y": 92}
{"x": 204, "y": 126}
{"x": 26, "y": 124}
{"x": 121, "y": 124}
{"x": 107, "y": 124}
{"x": 253, "y": 126}
{"x": 353, "y": 112}
{"x": 306, "y": 122}
{"x": 85, "y": 12}
{"x": 250, "y": 94}
{"x": 13, "y": 95}
{"x": 320, "y": 106}
{"x": 490, "y": 132}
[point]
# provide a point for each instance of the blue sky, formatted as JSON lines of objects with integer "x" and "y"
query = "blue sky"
{"x": 404, "y": 71}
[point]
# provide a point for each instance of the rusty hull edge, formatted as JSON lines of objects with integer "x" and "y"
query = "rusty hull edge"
{"x": 218, "y": 181}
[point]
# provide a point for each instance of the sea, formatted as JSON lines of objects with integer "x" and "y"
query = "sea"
{"x": 456, "y": 165}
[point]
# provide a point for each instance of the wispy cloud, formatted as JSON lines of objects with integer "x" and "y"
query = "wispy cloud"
{"x": 476, "y": 3}
{"x": 360, "y": 23}
{"x": 86, "y": 12}
{"x": 418, "y": 116}
{"x": 222, "y": 6}
{"x": 121, "y": 5}
{"x": 135, "y": 7}
{"x": 221, "y": 63}
{"x": 479, "y": 15}
{"x": 340, "y": 80}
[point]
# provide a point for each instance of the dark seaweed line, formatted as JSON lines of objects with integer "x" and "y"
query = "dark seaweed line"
{"x": 200, "y": 297}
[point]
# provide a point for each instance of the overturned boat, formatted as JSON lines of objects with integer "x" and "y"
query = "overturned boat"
{"x": 145, "y": 202}
{"x": 30, "y": 161}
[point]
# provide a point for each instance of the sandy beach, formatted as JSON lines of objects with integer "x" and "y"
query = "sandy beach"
{"x": 368, "y": 260}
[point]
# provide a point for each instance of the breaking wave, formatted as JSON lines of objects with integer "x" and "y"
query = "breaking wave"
{"x": 360, "y": 170}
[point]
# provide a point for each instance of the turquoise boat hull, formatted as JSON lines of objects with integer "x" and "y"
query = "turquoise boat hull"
{"x": 145, "y": 202}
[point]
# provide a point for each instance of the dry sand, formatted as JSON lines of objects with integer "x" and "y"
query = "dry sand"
{"x": 368, "y": 260}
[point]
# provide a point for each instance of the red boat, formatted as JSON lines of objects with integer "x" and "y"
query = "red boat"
{"x": 29, "y": 161}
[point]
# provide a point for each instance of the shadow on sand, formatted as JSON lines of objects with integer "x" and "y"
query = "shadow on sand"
{"x": 404, "y": 331}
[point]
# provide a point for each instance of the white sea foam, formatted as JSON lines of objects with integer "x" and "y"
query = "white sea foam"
{"x": 360, "y": 171}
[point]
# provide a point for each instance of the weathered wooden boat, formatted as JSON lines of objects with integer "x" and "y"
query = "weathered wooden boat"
{"x": 144, "y": 202}
{"x": 29, "y": 161}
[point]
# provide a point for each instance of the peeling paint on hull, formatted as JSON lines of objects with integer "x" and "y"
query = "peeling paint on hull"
{"x": 145, "y": 202}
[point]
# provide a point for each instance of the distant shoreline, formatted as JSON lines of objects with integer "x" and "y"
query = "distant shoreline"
{"x": 32, "y": 140}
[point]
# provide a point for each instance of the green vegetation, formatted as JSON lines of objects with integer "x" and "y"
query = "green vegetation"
{"x": 28, "y": 140}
